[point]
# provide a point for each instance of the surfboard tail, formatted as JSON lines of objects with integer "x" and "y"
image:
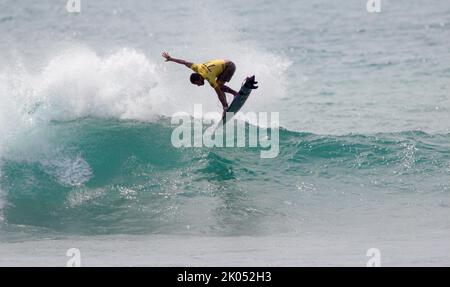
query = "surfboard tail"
{"x": 250, "y": 83}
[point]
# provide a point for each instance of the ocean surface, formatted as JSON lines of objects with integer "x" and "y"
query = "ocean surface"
{"x": 86, "y": 158}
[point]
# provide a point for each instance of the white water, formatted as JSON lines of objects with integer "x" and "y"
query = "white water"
{"x": 125, "y": 84}
{"x": 160, "y": 250}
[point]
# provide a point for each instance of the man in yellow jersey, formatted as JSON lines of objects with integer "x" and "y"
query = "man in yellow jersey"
{"x": 216, "y": 72}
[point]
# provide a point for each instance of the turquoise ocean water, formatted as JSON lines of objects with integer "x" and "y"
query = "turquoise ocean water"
{"x": 363, "y": 99}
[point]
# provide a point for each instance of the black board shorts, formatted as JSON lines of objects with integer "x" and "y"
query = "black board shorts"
{"x": 227, "y": 73}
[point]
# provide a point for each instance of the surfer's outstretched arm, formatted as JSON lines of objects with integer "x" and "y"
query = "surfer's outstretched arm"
{"x": 179, "y": 61}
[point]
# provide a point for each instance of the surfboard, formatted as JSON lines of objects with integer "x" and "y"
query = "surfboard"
{"x": 239, "y": 100}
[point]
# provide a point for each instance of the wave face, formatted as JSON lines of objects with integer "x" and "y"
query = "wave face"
{"x": 103, "y": 176}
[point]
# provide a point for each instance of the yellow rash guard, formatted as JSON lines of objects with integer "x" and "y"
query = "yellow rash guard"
{"x": 210, "y": 70}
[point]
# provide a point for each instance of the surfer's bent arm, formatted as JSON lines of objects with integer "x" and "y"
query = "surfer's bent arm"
{"x": 179, "y": 61}
{"x": 222, "y": 97}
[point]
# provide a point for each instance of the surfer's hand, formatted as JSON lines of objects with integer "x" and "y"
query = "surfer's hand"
{"x": 225, "y": 108}
{"x": 166, "y": 56}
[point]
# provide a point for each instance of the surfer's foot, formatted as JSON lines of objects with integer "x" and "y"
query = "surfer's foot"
{"x": 250, "y": 82}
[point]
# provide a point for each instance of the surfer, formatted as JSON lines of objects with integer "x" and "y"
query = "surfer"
{"x": 216, "y": 72}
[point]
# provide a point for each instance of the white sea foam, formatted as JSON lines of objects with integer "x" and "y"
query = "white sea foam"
{"x": 126, "y": 84}
{"x": 68, "y": 171}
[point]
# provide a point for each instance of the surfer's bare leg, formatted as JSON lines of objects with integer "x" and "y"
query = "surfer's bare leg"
{"x": 228, "y": 90}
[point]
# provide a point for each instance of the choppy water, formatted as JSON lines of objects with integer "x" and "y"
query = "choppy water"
{"x": 364, "y": 112}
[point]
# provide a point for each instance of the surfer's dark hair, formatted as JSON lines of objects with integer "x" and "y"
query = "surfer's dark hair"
{"x": 195, "y": 77}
